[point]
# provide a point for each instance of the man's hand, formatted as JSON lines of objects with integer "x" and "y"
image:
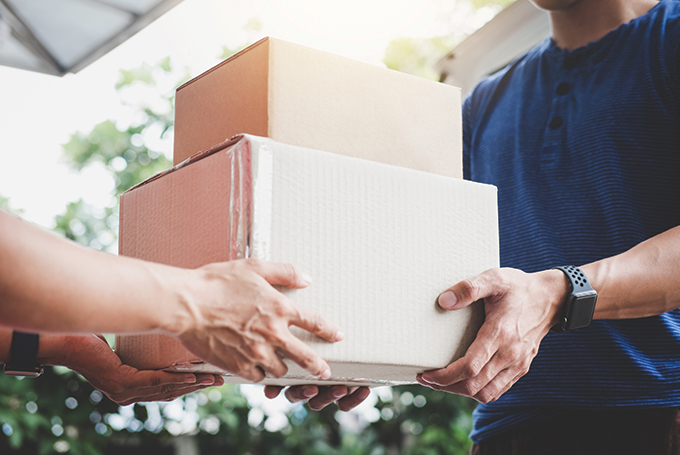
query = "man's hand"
{"x": 318, "y": 398}
{"x": 241, "y": 323}
{"x": 520, "y": 310}
{"x": 91, "y": 356}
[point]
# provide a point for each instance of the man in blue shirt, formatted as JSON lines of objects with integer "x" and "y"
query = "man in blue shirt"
{"x": 582, "y": 137}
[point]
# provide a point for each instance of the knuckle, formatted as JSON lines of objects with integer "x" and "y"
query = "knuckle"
{"x": 253, "y": 263}
{"x": 282, "y": 307}
{"x": 472, "y": 369}
{"x": 317, "y": 323}
{"x": 166, "y": 389}
{"x": 468, "y": 389}
{"x": 259, "y": 353}
{"x": 473, "y": 387}
{"x": 155, "y": 381}
{"x": 468, "y": 288}
{"x": 512, "y": 352}
{"x": 308, "y": 362}
{"x": 484, "y": 397}
{"x": 290, "y": 272}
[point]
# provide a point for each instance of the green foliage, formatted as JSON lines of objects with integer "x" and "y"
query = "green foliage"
{"x": 499, "y": 3}
{"x": 6, "y": 204}
{"x": 123, "y": 152}
{"x": 417, "y": 56}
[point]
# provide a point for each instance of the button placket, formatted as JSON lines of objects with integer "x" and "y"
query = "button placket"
{"x": 556, "y": 123}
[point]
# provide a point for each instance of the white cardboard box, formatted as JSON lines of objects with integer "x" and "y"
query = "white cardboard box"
{"x": 380, "y": 242}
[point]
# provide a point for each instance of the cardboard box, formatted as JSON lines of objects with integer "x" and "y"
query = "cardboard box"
{"x": 380, "y": 242}
{"x": 314, "y": 99}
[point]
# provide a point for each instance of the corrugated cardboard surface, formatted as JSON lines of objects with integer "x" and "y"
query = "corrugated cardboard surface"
{"x": 380, "y": 242}
{"x": 301, "y": 96}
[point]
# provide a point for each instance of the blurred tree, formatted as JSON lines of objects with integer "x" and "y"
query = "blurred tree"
{"x": 6, "y": 204}
{"x": 418, "y": 56}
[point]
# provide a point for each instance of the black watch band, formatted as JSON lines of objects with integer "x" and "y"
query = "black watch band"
{"x": 23, "y": 355}
{"x": 580, "y": 303}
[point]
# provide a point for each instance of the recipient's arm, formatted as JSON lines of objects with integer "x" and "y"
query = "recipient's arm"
{"x": 227, "y": 314}
{"x": 91, "y": 356}
{"x": 521, "y": 308}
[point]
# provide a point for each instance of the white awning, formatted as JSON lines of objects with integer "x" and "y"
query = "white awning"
{"x": 64, "y": 36}
{"x": 513, "y": 31}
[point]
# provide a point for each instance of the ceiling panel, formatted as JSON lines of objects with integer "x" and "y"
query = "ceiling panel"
{"x": 67, "y": 35}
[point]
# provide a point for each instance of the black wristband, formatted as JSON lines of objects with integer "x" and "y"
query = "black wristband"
{"x": 580, "y": 303}
{"x": 23, "y": 355}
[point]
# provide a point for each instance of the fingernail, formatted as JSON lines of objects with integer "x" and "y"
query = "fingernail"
{"x": 426, "y": 379}
{"x": 190, "y": 379}
{"x": 337, "y": 393}
{"x": 308, "y": 392}
{"x": 306, "y": 279}
{"x": 207, "y": 381}
{"x": 339, "y": 336}
{"x": 447, "y": 300}
{"x": 326, "y": 374}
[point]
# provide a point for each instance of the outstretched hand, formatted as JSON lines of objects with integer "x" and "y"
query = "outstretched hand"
{"x": 520, "y": 310}
{"x": 91, "y": 356}
{"x": 242, "y": 322}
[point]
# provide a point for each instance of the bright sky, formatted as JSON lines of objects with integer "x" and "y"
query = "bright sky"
{"x": 38, "y": 112}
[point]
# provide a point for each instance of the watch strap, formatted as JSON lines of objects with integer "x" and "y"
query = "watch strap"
{"x": 580, "y": 288}
{"x": 23, "y": 355}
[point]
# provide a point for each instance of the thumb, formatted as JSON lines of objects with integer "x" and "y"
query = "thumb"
{"x": 466, "y": 292}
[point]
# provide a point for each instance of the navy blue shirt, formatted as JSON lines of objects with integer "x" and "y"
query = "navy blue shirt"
{"x": 584, "y": 147}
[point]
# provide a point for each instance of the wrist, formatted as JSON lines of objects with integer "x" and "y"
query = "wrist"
{"x": 54, "y": 349}
{"x": 557, "y": 289}
{"x": 180, "y": 314}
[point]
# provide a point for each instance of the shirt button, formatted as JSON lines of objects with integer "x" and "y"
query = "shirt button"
{"x": 563, "y": 88}
{"x": 569, "y": 63}
{"x": 555, "y": 123}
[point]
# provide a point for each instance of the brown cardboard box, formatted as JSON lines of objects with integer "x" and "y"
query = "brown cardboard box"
{"x": 379, "y": 241}
{"x": 301, "y": 96}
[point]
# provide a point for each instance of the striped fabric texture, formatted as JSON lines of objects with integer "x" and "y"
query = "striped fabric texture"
{"x": 584, "y": 147}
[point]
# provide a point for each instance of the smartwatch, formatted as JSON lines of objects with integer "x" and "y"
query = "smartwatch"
{"x": 23, "y": 354}
{"x": 580, "y": 304}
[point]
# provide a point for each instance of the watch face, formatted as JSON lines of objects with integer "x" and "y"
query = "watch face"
{"x": 582, "y": 309}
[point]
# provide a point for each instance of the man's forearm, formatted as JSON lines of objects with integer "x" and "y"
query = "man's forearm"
{"x": 643, "y": 281}
{"x": 48, "y": 283}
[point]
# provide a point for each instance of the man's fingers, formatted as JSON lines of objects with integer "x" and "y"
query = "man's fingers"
{"x": 272, "y": 391}
{"x": 468, "y": 291}
{"x": 317, "y": 325}
{"x": 296, "y": 394}
{"x": 281, "y": 274}
{"x": 306, "y": 357}
{"x": 470, "y": 365}
{"x": 497, "y": 394}
{"x": 354, "y": 399}
{"x": 326, "y": 396}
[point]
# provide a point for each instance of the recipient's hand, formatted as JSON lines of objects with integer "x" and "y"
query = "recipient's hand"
{"x": 318, "y": 398}
{"x": 91, "y": 356}
{"x": 241, "y": 323}
{"x": 520, "y": 310}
